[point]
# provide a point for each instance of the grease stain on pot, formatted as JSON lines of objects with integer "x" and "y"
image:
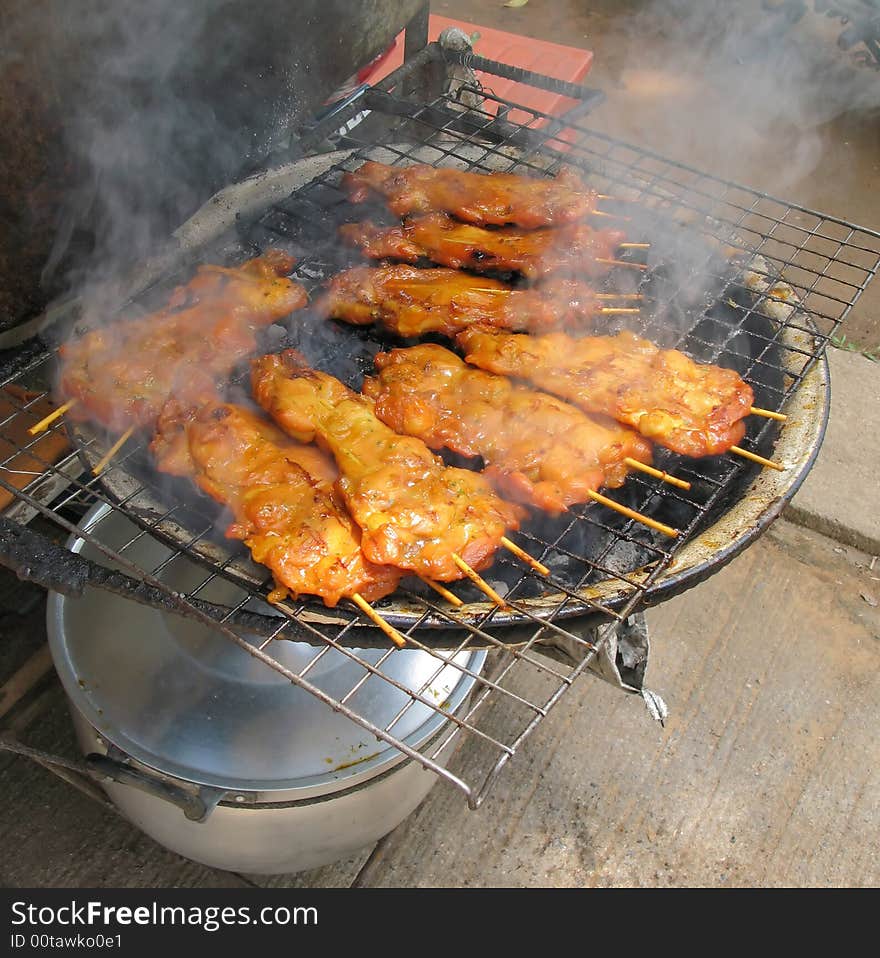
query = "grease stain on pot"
{"x": 357, "y": 761}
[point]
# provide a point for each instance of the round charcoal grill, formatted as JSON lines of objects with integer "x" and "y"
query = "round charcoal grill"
{"x": 734, "y": 277}
{"x": 598, "y": 559}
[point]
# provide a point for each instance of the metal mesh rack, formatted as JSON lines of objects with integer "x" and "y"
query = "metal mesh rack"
{"x": 733, "y": 276}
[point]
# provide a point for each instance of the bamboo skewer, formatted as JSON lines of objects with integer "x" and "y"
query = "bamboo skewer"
{"x": 767, "y": 413}
{"x": 656, "y": 473}
{"x": 495, "y": 290}
{"x": 756, "y": 458}
{"x": 47, "y": 421}
{"x": 632, "y": 514}
{"x": 479, "y": 582}
{"x": 611, "y": 310}
{"x": 522, "y": 554}
{"x": 111, "y": 452}
{"x": 634, "y": 245}
{"x": 450, "y": 597}
{"x": 610, "y": 216}
{"x": 377, "y": 619}
{"x": 620, "y": 262}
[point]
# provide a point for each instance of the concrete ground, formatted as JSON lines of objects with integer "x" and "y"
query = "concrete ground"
{"x": 766, "y": 772}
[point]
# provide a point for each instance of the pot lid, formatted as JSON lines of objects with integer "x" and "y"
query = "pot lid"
{"x": 181, "y": 698}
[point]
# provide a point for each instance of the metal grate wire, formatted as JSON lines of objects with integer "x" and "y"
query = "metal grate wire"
{"x": 796, "y": 276}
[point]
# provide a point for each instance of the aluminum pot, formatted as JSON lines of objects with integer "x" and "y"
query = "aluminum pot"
{"x": 221, "y": 759}
{"x": 271, "y": 836}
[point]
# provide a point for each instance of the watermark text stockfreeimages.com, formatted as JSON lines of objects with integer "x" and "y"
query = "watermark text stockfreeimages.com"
{"x": 92, "y": 914}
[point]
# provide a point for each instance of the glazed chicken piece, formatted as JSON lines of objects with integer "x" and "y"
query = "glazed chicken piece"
{"x": 537, "y": 449}
{"x": 482, "y": 198}
{"x": 412, "y": 302}
{"x": 534, "y": 253}
{"x": 122, "y": 373}
{"x": 414, "y": 512}
{"x": 692, "y": 408}
{"x": 281, "y": 496}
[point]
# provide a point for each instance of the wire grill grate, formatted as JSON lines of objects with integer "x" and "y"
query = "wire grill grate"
{"x": 734, "y": 276}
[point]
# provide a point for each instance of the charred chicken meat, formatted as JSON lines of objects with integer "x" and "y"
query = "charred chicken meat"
{"x": 534, "y": 253}
{"x": 414, "y": 512}
{"x": 122, "y": 373}
{"x": 281, "y": 496}
{"x": 411, "y": 302}
{"x": 537, "y": 449}
{"x": 692, "y": 408}
{"x": 482, "y": 198}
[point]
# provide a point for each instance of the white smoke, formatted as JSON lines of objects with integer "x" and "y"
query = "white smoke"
{"x": 730, "y": 88}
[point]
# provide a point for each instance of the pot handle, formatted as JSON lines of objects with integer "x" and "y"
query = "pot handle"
{"x": 197, "y": 806}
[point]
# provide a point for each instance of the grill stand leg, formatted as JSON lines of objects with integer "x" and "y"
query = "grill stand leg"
{"x": 622, "y": 658}
{"x": 415, "y": 36}
{"x": 425, "y": 82}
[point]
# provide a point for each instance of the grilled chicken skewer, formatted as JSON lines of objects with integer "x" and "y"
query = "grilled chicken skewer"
{"x": 692, "y": 408}
{"x": 482, "y": 198}
{"x": 538, "y": 449}
{"x": 281, "y": 496}
{"x": 414, "y": 512}
{"x": 534, "y": 253}
{"x": 411, "y": 302}
{"x": 121, "y": 374}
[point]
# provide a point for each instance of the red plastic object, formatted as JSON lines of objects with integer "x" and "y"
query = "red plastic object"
{"x": 551, "y": 59}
